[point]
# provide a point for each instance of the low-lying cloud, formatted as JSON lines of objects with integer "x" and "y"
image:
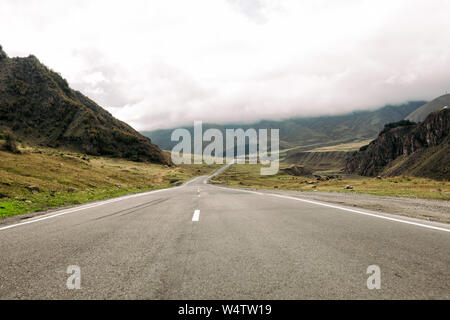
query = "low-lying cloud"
{"x": 162, "y": 64}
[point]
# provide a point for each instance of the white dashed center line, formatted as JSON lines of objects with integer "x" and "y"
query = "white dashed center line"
{"x": 196, "y": 215}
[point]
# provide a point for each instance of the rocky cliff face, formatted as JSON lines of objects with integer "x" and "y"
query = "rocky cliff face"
{"x": 38, "y": 106}
{"x": 3, "y": 54}
{"x": 411, "y": 149}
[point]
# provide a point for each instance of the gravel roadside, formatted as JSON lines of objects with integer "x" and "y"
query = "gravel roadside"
{"x": 430, "y": 210}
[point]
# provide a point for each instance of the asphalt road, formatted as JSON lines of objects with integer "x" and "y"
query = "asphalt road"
{"x": 200, "y": 241}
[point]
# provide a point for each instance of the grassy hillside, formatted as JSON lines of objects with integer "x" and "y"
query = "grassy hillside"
{"x": 41, "y": 178}
{"x": 319, "y": 160}
{"x": 248, "y": 176}
{"x": 421, "y": 113}
{"x": 38, "y": 107}
{"x": 433, "y": 162}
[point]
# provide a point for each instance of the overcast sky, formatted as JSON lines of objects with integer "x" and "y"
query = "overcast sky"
{"x": 161, "y": 64}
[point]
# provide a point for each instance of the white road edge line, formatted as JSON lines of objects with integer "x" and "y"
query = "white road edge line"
{"x": 192, "y": 180}
{"x": 222, "y": 169}
{"x": 196, "y": 216}
{"x": 342, "y": 208}
{"x": 89, "y": 206}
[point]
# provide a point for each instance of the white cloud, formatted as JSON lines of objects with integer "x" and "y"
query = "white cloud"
{"x": 160, "y": 64}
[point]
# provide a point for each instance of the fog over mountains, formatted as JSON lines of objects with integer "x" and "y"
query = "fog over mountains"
{"x": 164, "y": 64}
{"x": 312, "y": 132}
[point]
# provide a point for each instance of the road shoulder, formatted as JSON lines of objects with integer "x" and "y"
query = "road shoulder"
{"x": 420, "y": 209}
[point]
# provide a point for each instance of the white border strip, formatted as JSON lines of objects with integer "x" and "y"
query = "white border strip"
{"x": 341, "y": 208}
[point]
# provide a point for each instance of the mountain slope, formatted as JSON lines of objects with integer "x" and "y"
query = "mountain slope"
{"x": 421, "y": 113}
{"x": 421, "y": 149}
{"x": 327, "y": 160}
{"x": 38, "y": 106}
{"x": 313, "y": 132}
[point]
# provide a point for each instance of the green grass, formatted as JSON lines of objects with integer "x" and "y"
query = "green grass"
{"x": 65, "y": 179}
{"x": 44, "y": 200}
{"x": 248, "y": 176}
{"x": 12, "y": 207}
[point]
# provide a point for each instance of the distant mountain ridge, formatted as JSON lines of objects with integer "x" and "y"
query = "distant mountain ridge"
{"x": 407, "y": 148}
{"x": 38, "y": 106}
{"x": 313, "y": 132}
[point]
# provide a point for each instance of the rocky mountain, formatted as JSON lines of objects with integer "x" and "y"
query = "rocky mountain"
{"x": 313, "y": 132}
{"x": 38, "y": 107}
{"x": 421, "y": 113}
{"x": 407, "y": 148}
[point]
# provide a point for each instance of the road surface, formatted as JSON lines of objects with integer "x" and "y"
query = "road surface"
{"x": 200, "y": 241}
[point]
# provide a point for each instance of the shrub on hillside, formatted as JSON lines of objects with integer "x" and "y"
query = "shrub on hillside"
{"x": 10, "y": 143}
{"x": 393, "y": 125}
